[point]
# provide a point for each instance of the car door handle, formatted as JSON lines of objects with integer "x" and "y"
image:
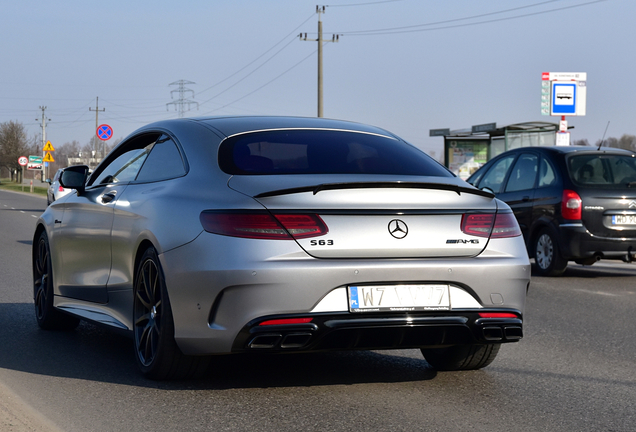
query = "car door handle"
{"x": 108, "y": 197}
{"x": 525, "y": 198}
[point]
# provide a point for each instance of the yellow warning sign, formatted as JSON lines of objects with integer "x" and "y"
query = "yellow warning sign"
{"x": 48, "y": 147}
{"x": 48, "y": 158}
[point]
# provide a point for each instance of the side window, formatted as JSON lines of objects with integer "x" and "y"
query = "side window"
{"x": 124, "y": 163}
{"x": 476, "y": 177}
{"x": 496, "y": 175}
{"x": 547, "y": 177}
{"x": 523, "y": 174}
{"x": 164, "y": 162}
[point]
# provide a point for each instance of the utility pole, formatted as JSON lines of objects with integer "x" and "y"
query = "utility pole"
{"x": 320, "y": 40}
{"x": 97, "y": 110}
{"x": 43, "y": 125}
{"x": 182, "y": 103}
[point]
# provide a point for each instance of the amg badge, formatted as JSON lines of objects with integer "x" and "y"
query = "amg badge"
{"x": 460, "y": 241}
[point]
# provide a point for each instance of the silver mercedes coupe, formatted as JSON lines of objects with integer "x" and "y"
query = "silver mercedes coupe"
{"x": 225, "y": 235}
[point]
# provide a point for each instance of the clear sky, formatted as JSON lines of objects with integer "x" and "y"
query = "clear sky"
{"x": 405, "y": 65}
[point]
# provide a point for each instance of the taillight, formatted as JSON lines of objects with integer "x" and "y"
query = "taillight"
{"x": 60, "y": 189}
{"x": 302, "y": 225}
{"x": 497, "y": 315}
{"x": 285, "y": 321}
{"x": 478, "y": 225}
{"x": 506, "y": 225}
{"x": 262, "y": 224}
{"x": 501, "y": 225}
{"x": 571, "y": 205}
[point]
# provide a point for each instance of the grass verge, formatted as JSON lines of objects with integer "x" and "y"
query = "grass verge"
{"x": 37, "y": 190}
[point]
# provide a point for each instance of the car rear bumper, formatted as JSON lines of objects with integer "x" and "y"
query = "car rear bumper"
{"x": 217, "y": 303}
{"x": 579, "y": 243}
{"x": 385, "y": 331}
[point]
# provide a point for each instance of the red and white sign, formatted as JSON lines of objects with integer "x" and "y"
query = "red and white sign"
{"x": 23, "y": 160}
{"x": 104, "y": 132}
{"x": 564, "y": 76}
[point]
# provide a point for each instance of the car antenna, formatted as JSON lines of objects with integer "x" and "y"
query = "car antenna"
{"x": 603, "y": 139}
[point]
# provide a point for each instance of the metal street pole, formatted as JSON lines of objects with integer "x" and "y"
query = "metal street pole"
{"x": 320, "y": 65}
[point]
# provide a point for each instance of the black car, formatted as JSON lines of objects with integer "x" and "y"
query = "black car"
{"x": 572, "y": 203}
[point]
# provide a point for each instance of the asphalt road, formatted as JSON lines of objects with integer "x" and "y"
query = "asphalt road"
{"x": 573, "y": 371}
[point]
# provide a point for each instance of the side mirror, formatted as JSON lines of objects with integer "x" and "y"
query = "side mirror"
{"x": 74, "y": 177}
{"x": 48, "y": 181}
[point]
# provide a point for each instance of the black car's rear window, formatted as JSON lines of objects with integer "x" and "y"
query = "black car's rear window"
{"x": 323, "y": 152}
{"x": 603, "y": 170}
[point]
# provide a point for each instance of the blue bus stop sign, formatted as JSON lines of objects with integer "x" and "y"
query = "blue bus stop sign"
{"x": 563, "y": 98}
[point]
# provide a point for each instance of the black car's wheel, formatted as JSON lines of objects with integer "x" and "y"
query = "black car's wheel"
{"x": 547, "y": 255}
{"x": 461, "y": 357}
{"x": 47, "y": 316}
{"x": 156, "y": 351}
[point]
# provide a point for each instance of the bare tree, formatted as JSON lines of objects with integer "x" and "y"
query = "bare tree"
{"x": 13, "y": 144}
{"x": 627, "y": 142}
{"x": 609, "y": 142}
{"x": 581, "y": 142}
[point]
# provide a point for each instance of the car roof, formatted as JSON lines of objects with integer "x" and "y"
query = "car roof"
{"x": 574, "y": 149}
{"x": 233, "y": 125}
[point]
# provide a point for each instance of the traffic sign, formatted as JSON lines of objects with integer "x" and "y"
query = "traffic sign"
{"x": 35, "y": 163}
{"x": 48, "y": 157}
{"x": 23, "y": 160}
{"x": 563, "y": 98}
{"x": 48, "y": 147}
{"x": 104, "y": 132}
{"x": 563, "y": 93}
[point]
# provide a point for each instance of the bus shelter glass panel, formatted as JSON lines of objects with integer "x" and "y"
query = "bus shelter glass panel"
{"x": 464, "y": 157}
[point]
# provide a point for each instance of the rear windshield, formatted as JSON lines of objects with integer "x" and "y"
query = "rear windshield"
{"x": 324, "y": 152}
{"x": 603, "y": 170}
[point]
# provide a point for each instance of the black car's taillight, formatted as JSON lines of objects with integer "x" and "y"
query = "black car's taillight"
{"x": 263, "y": 225}
{"x": 500, "y": 225}
{"x": 571, "y": 205}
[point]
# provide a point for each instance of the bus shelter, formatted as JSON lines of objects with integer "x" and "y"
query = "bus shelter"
{"x": 466, "y": 150}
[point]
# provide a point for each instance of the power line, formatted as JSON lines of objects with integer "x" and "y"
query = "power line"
{"x": 415, "y": 28}
{"x": 245, "y": 77}
{"x": 364, "y": 4}
{"x": 257, "y": 58}
{"x": 264, "y": 85}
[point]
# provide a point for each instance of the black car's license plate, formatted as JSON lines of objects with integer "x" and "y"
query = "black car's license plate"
{"x": 624, "y": 220}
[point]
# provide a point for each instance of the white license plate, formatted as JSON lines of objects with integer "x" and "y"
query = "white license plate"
{"x": 624, "y": 220}
{"x": 398, "y": 298}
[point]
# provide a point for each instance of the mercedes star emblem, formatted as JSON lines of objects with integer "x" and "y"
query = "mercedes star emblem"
{"x": 398, "y": 229}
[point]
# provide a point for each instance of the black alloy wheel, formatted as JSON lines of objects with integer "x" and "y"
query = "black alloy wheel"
{"x": 156, "y": 351}
{"x": 48, "y": 318}
{"x": 547, "y": 255}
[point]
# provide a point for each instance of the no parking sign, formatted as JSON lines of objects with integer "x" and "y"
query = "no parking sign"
{"x": 104, "y": 132}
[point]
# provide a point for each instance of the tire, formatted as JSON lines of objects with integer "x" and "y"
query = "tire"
{"x": 547, "y": 255}
{"x": 461, "y": 357}
{"x": 48, "y": 318}
{"x": 156, "y": 352}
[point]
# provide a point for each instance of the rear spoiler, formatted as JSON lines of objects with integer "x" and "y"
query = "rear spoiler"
{"x": 370, "y": 185}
